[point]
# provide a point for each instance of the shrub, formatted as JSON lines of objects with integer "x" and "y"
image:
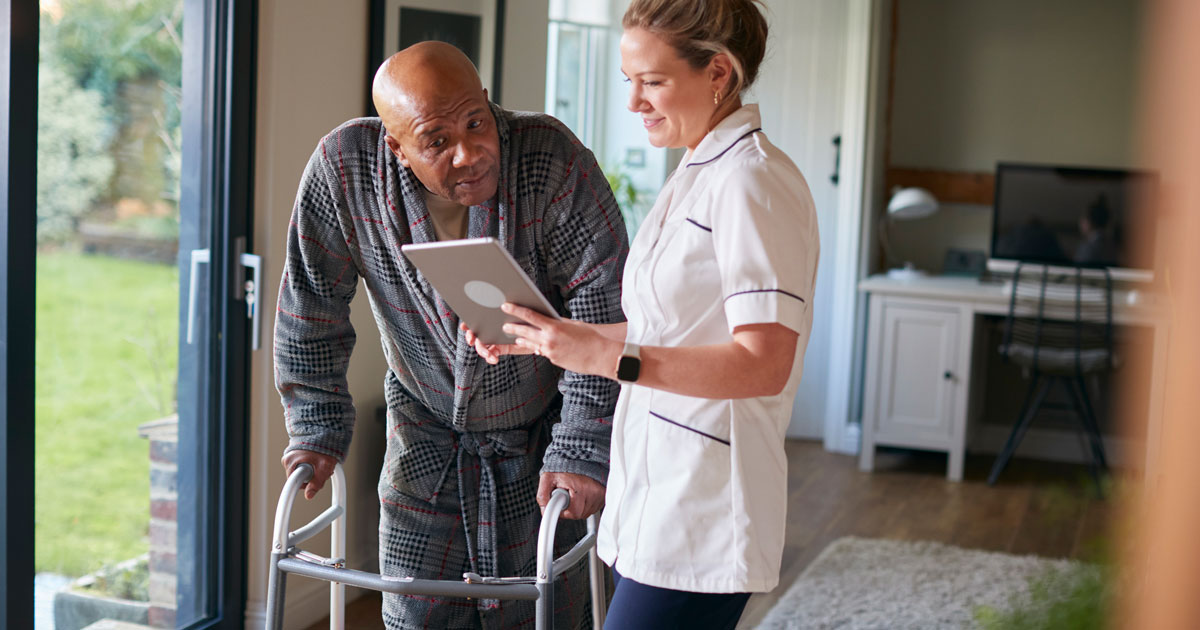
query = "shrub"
{"x": 72, "y": 155}
{"x": 1077, "y": 598}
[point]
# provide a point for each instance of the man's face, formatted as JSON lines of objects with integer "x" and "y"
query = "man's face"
{"x": 451, "y": 144}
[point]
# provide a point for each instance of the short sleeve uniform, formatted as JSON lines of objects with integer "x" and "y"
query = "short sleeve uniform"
{"x": 697, "y": 488}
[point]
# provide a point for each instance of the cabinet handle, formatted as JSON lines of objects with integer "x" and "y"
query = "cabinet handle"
{"x": 947, "y": 375}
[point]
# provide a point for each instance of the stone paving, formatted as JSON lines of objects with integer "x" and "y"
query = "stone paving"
{"x": 45, "y": 585}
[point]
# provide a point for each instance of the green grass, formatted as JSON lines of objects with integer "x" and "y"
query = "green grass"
{"x": 106, "y": 360}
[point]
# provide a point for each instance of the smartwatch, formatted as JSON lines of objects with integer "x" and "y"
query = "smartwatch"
{"x": 629, "y": 366}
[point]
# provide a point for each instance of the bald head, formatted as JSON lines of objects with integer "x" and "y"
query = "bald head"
{"x": 438, "y": 121}
{"x": 420, "y": 76}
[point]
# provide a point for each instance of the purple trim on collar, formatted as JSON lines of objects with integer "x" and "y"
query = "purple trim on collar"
{"x": 726, "y": 149}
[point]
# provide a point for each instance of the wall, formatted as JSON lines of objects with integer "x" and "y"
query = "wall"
{"x": 523, "y": 79}
{"x": 978, "y": 81}
{"x": 303, "y": 92}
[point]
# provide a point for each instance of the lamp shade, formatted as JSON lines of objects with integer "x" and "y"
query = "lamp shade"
{"x": 911, "y": 203}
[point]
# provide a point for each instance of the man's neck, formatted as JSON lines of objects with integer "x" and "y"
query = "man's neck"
{"x": 449, "y": 217}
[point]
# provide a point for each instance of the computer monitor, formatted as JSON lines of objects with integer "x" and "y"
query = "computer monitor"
{"x": 1066, "y": 216}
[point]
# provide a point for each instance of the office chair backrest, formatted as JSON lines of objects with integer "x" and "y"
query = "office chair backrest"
{"x": 1060, "y": 322}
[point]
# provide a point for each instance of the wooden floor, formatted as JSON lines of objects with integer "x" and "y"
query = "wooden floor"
{"x": 1036, "y": 508}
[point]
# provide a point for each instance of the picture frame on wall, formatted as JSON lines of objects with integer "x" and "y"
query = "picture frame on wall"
{"x": 474, "y": 26}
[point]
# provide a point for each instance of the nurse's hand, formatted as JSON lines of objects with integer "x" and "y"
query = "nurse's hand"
{"x": 572, "y": 345}
{"x": 491, "y": 352}
{"x": 587, "y": 495}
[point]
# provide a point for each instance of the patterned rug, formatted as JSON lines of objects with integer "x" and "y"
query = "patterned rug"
{"x": 868, "y": 584}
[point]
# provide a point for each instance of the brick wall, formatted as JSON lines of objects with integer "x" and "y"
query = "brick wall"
{"x": 164, "y": 499}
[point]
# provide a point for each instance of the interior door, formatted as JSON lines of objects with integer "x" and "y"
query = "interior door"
{"x": 799, "y": 91}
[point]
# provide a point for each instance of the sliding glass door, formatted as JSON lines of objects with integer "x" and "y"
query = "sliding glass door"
{"x": 142, "y": 324}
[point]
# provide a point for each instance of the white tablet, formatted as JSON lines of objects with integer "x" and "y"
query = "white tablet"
{"x": 475, "y": 276}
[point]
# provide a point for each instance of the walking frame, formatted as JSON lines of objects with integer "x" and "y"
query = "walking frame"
{"x": 286, "y": 558}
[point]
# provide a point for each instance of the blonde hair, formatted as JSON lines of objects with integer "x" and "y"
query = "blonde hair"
{"x": 701, "y": 29}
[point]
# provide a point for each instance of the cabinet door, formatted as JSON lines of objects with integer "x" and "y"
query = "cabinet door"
{"x": 917, "y": 388}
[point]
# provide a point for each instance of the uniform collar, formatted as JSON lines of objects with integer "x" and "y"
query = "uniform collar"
{"x": 735, "y": 127}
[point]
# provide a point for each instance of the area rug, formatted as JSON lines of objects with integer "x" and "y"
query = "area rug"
{"x": 869, "y": 584}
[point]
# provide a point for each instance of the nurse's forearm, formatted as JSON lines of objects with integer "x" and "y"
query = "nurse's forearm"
{"x": 757, "y": 362}
{"x": 612, "y": 331}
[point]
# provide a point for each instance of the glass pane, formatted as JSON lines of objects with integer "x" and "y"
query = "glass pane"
{"x": 109, "y": 148}
{"x": 591, "y": 98}
{"x": 567, "y": 106}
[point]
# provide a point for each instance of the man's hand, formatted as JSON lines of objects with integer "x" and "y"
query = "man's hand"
{"x": 491, "y": 352}
{"x": 322, "y": 468}
{"x": 587, "y": 495}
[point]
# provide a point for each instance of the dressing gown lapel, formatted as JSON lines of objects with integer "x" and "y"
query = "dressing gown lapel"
{"x": 491, "y": 218}
{"x": 408, "y": 218}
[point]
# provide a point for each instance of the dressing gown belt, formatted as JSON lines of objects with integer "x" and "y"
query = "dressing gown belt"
{"x": 478, "y": 454}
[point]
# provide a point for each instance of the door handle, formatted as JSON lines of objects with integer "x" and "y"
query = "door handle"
{"x": 837, "y": 159}
{"x": 254, "y": 263}
{"x": 199, "y": 257}
{"x": 248, "y": 290}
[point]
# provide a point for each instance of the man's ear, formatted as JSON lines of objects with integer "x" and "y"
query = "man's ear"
{"x": 485, "y": 95}
{"x": 394, "y": 145}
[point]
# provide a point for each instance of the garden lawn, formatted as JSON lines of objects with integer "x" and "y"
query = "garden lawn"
{"x": 106, "y": 355}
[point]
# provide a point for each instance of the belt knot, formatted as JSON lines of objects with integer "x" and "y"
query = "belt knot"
{"x": 488, "y": 444}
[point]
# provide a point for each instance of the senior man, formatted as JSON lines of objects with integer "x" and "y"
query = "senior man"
{"x": 472, "y": 448}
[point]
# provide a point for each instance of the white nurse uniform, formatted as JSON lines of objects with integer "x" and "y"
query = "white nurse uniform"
{"x": 697, "y": 489}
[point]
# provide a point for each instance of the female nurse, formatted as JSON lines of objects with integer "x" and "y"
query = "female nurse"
{"x": 717, "y": 292}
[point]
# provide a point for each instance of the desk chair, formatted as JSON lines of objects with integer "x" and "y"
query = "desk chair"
{"x": 1059, "y": 329}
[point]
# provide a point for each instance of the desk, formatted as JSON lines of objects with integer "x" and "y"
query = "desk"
{"x": 924, "y": 359}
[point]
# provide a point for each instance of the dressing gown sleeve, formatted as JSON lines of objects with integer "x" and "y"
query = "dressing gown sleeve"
{"x": 587, "y": 245}
{"x": 313, "y": 334}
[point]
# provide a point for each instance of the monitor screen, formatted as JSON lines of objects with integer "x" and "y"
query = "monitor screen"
{"x": 1073, "y": 216}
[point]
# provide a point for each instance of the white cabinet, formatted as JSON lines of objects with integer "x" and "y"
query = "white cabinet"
{"x": 924, "y": 368}
{"x": 917, "y": 369}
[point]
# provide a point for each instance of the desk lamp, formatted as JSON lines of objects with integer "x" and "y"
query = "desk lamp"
{"x": 908, "y": 203}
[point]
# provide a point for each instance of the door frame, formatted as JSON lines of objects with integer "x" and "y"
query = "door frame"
{"x": 220, "y": 46}
{"x": 18, "y": 249}
{"x": 218, "y": 116}
{"x": 859, "y": 109}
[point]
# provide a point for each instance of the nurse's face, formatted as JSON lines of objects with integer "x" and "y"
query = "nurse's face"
{"x": 674, "y": 99}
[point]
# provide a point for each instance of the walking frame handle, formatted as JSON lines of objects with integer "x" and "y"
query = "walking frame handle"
{"x": 287, "y": 558}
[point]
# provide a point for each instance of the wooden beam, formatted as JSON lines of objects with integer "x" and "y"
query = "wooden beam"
{"x": 947, "y": 186}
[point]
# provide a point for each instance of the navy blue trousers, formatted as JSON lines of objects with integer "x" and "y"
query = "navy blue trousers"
{"x": 636, "y": 606}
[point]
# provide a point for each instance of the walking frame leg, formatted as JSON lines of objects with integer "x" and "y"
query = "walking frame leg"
{"x": 276, "y": 585}
{"x": 337, "y": 549}
{"x": 283, "y": 515}
{"x": 280, "y": 544}
{"x": 596, "y": 578}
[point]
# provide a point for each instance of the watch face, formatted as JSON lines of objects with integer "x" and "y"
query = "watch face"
{"x": 628, "y": 369}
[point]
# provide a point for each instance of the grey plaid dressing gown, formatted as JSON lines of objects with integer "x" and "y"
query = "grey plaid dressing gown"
{"x": 465, "y": 440}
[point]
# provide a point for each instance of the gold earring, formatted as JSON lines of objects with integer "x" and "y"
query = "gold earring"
{"x": 716, "y": 97}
